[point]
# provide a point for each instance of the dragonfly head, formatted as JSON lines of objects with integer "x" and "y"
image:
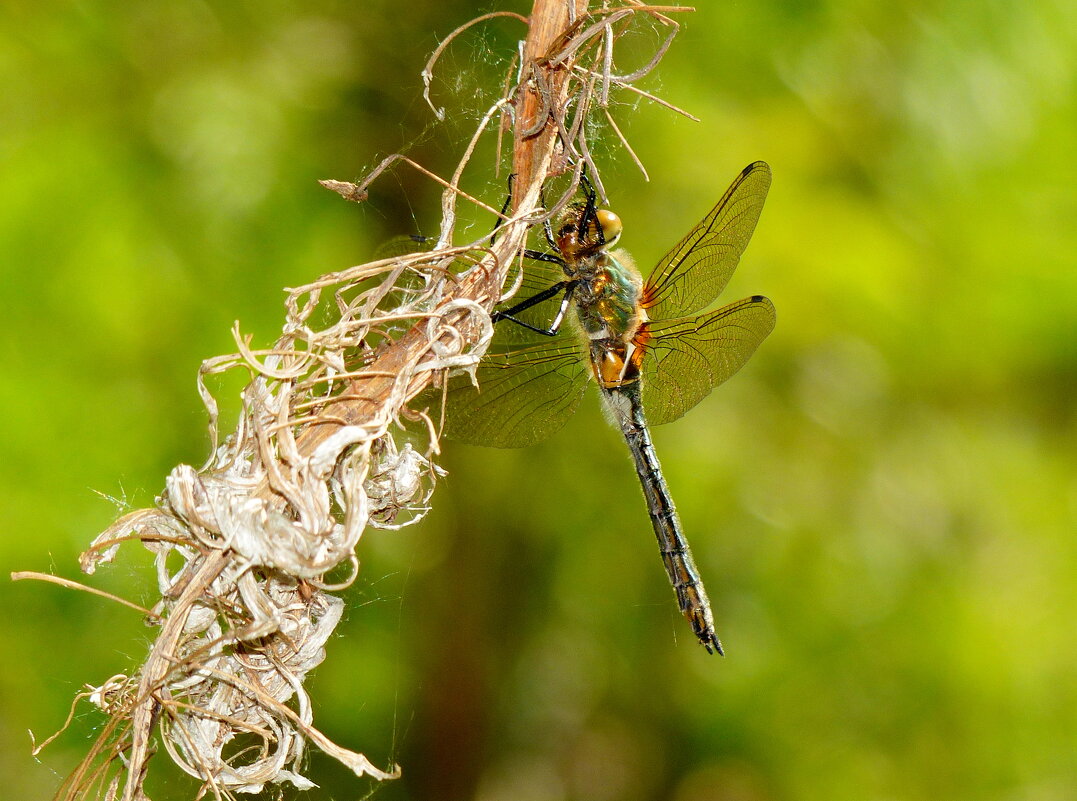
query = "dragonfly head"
{"x": 583, "y": 233}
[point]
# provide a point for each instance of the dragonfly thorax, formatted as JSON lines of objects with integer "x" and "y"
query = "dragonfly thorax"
{"x": 607, "y": 296}
{"x": 609, "y": 312}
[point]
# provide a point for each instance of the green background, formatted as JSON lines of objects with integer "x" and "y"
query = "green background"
{"x": 883, "y": 503}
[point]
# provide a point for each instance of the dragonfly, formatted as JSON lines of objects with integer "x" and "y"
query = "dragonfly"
{"x": 647, "y": 344}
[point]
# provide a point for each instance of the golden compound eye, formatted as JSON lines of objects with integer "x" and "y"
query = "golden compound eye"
{"x": 610, "y": 224}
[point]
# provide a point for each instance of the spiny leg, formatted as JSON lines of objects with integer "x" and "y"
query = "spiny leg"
{"x": 508, "y": 314}
{"x": 589, "y": 216}
{"x": 547, "y": 229}
{"x": 546, "y": 294}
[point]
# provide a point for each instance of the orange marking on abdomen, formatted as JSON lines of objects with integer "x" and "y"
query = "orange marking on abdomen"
{"x": 616, "y": 366}
{"x": 609, "y": 368}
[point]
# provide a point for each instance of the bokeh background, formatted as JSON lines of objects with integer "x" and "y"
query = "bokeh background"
{"x": 883, "y": 503}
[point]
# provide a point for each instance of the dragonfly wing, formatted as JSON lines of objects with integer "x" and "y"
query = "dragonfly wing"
{"x": 696, "y": 270}
{"x": 403, "y": 245}
{"x": 530, "y": 278}
{"x": 685, "y": 359}
{"x": 528, "y": 384}
{"x": 523, "y": 395}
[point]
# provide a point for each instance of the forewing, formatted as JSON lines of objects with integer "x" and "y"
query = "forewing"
{"x": 696, "y": 270}
{"x": 523, "y": 396}
{"x": 685, "y": 359}
{"x": 528, "y": 384}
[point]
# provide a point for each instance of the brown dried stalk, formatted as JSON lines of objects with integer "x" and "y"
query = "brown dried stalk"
{"x": 282, "y": 502}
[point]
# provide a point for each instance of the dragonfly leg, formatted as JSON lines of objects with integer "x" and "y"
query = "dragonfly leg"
{"x": 538, "y": 255}
{"x": 590, "y": 213}
{"x": 504, "y": 210}
{"x": 547, "y": 224}
{"x": 568, "y": 287}
{"x": 547, "y": 228}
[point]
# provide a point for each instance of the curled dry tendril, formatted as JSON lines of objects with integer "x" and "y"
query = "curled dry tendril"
{"x": 250, "y": 549}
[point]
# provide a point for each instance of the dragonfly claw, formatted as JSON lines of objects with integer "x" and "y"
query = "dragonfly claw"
{"x": 698, "y": 615}
{"x": 711, "y": 643}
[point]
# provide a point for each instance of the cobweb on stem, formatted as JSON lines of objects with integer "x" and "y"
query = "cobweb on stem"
{"x": 250, "y": 548}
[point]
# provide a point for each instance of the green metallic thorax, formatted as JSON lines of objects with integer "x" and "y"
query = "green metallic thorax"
{"x": 607, "y": 298}
{"x": 607, "y": 306}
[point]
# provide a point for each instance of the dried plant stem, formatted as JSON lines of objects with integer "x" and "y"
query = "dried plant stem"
{"x": 158, "y": 665}
{"x": 532, "y": 155}
{"x": 21, "y": 575}
{"x": 264, "y": 529}
{"x": 370, "y": 391}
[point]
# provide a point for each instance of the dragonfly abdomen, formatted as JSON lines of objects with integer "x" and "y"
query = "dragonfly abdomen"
{"x": 615, "y": 363}
{"x": 676, "y": 555}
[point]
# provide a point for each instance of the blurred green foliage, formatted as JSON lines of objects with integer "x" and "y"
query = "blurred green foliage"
{"x": 883, "y": 503}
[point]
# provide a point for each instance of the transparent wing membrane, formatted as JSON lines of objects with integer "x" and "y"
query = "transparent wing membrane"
{"x": 528, "y": 384}
{"x": 696, "y": 270}
{"x": 403, "y": 245}
{"x": 541, "y": 315}
{"x": 537, "y": 276}
{"x": 685, "y": 359}
{"x": 524, "y": 395}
